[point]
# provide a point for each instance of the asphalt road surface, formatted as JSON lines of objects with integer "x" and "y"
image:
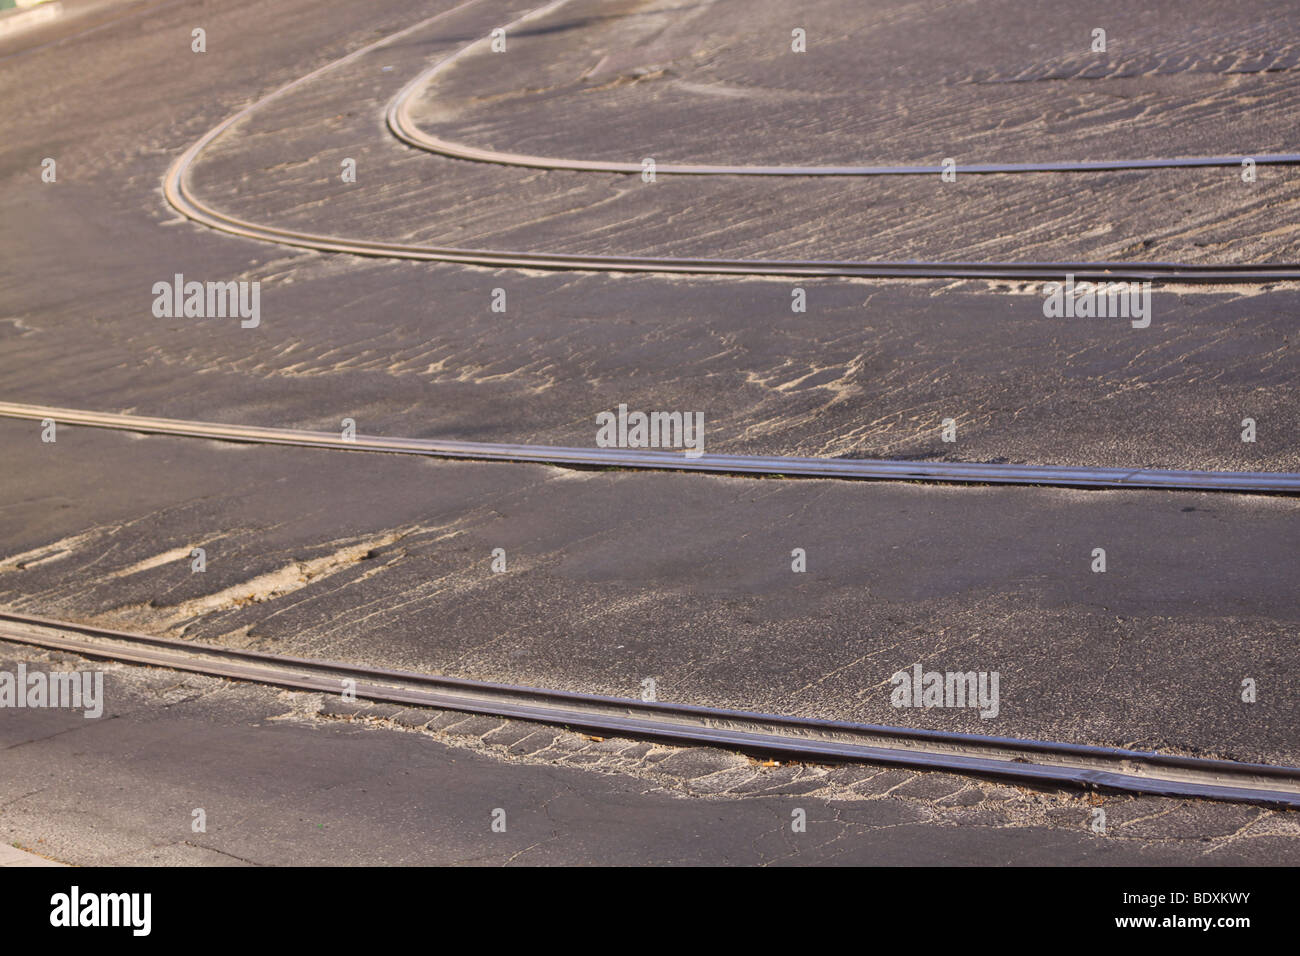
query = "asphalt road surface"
{"x": 613, "y": 577}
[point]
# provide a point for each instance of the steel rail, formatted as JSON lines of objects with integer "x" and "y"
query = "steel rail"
{"x": 1026, "y": 760}
{"x": 658, "y": 460}
{"x": 180, "y": 194}
{"x": 403, "y": 126}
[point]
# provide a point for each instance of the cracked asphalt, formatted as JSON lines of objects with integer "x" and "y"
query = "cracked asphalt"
{"x": 614, "y": 577}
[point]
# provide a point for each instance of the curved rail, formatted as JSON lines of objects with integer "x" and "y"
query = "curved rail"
{"x": 179, "y": 193}
{"x": 400, "y": 122}
{"x": 1031, "y": 761}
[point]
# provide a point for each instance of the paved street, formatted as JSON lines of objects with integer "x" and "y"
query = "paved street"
{"x": 612, "y": 576}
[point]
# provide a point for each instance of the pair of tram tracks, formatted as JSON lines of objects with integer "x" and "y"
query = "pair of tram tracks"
{"x": 1031, "y": 762}
{"x": 1028, "y": 761}
{"x": 180, "y": 194}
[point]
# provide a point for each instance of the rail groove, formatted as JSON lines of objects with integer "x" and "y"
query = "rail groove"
{"x": 1248, "y": 482}
{"x": 1029, "y": 761}
{"x": 181, "y": 196}
{"x": 403, "y": 126}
